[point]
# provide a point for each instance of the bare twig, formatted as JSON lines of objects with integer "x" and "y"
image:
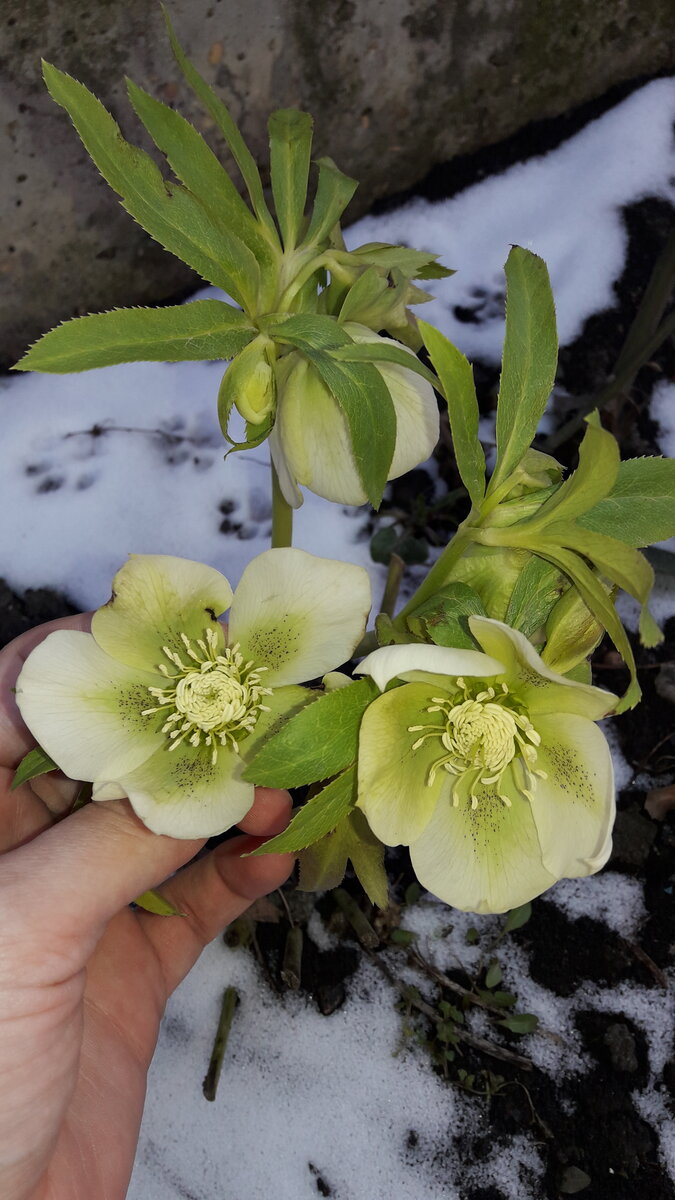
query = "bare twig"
{"x": 230, "y": 1002}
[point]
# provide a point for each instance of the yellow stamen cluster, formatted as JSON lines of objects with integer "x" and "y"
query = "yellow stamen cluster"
{"x": 213, "y": 696}
{"x": 482, "y": 735}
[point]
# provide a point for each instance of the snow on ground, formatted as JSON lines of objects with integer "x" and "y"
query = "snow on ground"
{"x": 130, "y": 459}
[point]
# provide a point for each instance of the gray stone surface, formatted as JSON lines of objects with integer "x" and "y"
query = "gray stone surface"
{"x": 394, "y": 85}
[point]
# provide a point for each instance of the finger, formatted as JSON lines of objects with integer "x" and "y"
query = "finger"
{"x": 210, "y": 894}
{"x": 15, "y": 739}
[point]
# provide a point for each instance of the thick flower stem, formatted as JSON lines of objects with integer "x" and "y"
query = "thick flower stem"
{"x": 282, "y": 515}
{"x": 439, "y": 573}
{"x": 393, "y": 584}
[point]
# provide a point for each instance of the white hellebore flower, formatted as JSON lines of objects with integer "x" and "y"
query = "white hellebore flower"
{"x": 310, "y": 443}
{"x": 157, "y": 704}
{"x": 489, "y": 766}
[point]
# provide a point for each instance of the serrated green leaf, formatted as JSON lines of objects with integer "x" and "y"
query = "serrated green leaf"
{"x": 323, "y": 865}
{"x": 305, "y": 331}
{"x": 227, "y": 126}
{"x": 334, "y": 190}
{"x": 290, "y": 134}
{"x": 623, "y": 564}
{"x": 195, "y": 164}
{"x": 456, "y": 376}
{"x": 518, "y": 917}
{"x": 385, "y": 351}
{"x": 537, "y": 589}
{"x": 35, "y": 763}
{"x": 362, "y": 295}
{"x": 318, "y": 817}
{"x": 203, "y": 329}
{"x": 594, "y": 477}
{"x": 520, "y": 1023}
{"x": 365, "y": 400}
{"x": 415, "y": 264}
{"x": 443, "y": 617}
{"x": 169, "y": 213}
{"x": 151, "y": 901}
{"x": 529, "y": 359}
{"x": 640, "y": 508}
{"x": 317, "y": 742}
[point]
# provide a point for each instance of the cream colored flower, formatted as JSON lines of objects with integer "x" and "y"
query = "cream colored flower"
{"x": 157, "y": 705}
{"x": 489, "y": 766}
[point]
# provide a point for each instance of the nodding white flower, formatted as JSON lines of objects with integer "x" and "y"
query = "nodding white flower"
{"x": 310, "y": 442}
{"x": 489, "y": 766}
{"x": 157, "y": 704}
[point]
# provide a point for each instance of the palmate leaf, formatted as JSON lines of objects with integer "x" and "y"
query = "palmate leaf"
{"x": 167, "y": 211}
{"x": 290, "y": 134}
{"x": 317, "y": 742}
{"x": 334, "y": 190}
{"x": 529, "y": 359}
{"x": 640, "y": 508}
{"x": 316, "y": 818}
{"x": 203, "y": 329}
{"x": 456, "y": 376}
{"x": 227, "y": 126}
{"x": 415, "y": 264}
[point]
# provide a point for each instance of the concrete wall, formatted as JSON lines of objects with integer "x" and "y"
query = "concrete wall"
{"x": 394, "y": 86}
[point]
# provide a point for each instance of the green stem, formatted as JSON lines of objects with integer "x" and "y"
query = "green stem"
{"x": 393, "y": 584}
{"x": 440, "y": 572}
{"x": 282, "y": 515}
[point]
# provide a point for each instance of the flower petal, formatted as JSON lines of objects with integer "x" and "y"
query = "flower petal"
{"x": 299, "y": 615}
{"x": 406, "y": 661}
{"x": 541, "y": 689}
{"x": 85, "y": 708}
{"x": 289, "y": 487}
{"x": 183, "y": 794}
{"x": 155, "y": 598}
{"x": 574, "y": 808}
{"x": 393, "y": 789}
{"x": 315, "y": 438}
{"x": 485, "y": 859}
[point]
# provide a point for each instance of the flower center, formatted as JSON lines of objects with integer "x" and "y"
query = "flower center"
{"x": 215, "y": 697}
{"x": 481, "y": 736}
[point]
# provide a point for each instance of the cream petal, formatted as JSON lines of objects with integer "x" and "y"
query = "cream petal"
{"x": 315, "y": 438}
{"x": 394, "y": 790}
{"x": 155, "y": 598}
{"x": 298, "y": 615}
{"x": 406, "y": 661}
{"x": 183, "y": 794}
{"x": 485, "y": 859}
{"x": 288, "y": 485}
{"x": 541, "y": 689}
{"x": 574, "y": 807}
{"x": 85, "y": 708}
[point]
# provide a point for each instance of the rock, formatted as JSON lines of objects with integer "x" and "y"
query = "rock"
{"x": 633, "y": 837}
{"x": 394, "y": 88}
{"x": 621, "y": 1045}
{"x": 573, "y": 1180}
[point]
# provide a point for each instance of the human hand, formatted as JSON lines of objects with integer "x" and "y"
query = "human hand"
{"x": 84, "y": 979}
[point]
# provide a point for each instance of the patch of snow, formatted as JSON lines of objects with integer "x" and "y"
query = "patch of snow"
{"x": 564, "y": 205}
{"x": 651, "y": 1008}
{"x": 610, "y": 897}
{"x": 652, "y": 1105}
{"x": 623, "y": 772}
{"x": 662, "y": 410}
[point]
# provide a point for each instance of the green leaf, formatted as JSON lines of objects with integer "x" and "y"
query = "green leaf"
{"x": 317, "y": 742}
{"x": 537, "y": 589}
{"x": 305, "y": 331}
{"x": 518, "y": 917}
{"x": 443, "y": 617}
{"x": 385, "y": 351}
{"x": 203, "y": 329}
{"x": 640, "y": 508}
{"x": 316, "y": 818}
{"x": 153, "y": 902}
{"x": 572, "y": 633}
{"x": 334, "y": 190}
{"x": 593, "y": 479}
{"x": 35, "y": 763}
{"x": 493, "y": 975}
{"x": 366, "y": 402}
{"x": 169, "y": 213}
{"x": 415, "y": 264}
{"x": 195, "y": 164}
{"x": 323, "y": 865}
{"x": 529, "y": 360}
{"x": 233, "y": 388}
{"x": 363, "y": 294}
{"x": 456, "y": 376}
{"x": 520, "y": 1023}
{"x": 290, "y": 134}
{"x": 623, "y": 564}
{"x": 227, "y": 126}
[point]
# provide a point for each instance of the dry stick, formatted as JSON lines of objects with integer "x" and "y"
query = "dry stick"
{"x": 357, "y": 919}
{"x": 462, "y": 1035}
{"x": 230, "y": 1002}
{"x": 292, "y": 965}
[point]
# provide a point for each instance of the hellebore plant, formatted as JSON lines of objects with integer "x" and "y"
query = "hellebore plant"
{"x": 159, "y": 705}
{"x": 470, "y": 735}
